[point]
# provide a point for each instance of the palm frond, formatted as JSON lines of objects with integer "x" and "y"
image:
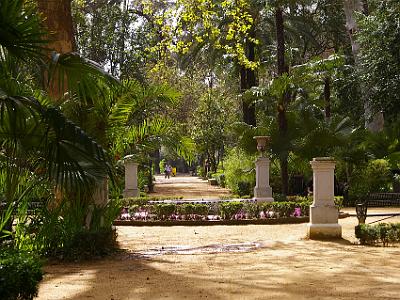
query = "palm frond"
{"x": 21, "y": 31}
{"x": 77, "y": 75}
{"x": 73, "y": 157}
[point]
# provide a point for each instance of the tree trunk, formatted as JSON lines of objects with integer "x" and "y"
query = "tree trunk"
{"x": 327, "y": 97}
{"x": 282, "y": 119}
{"x": 248, "y": 79}
{"x": 58, "y": 21}
{"x": 374, "y": 121}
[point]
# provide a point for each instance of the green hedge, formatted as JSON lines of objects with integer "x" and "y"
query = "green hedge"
{"x": 229, "y": 209}
{"x": 226, "y": 210}
{"x": 20, "y": 274}
{"x": 141, "y": 201}
{"x": 382, "y": 233}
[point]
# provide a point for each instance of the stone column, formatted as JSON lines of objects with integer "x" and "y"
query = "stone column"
{"x": 324, "y": 214}
{"x": 262, "y": 190}
{"x": 131, "y": 177}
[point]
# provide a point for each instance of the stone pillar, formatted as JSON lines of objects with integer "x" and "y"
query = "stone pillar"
{"x": 131, "y": 177}
{"x": 324, "y": 214}
{"x": 262, "y": 190}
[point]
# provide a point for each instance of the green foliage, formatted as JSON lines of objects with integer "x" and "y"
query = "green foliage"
{"x": 380, "y": 56}
{"x": 164, "y": 211}
{"x": 380, "y": 233}
{"x": 20, "y": 274}
{"x": 87, "y": 244}
{"x": 229, "y": 209}
{"x": 285, "y": 209}
{"x": 142, "y": 201}
{"x": 208, "y": 128}
{"x": 239, "y": 169}
{"x": 162, "y": 166}
{"x": 193, "y": 209}
{"x": 220, "y": 177}
{"x": 63, "y": 232}
{"x": 252, "y": 210}
{"x": 21, "y": 30}
{"x": 372, "y": 177}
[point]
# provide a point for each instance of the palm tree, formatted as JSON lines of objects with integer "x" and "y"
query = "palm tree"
{"x": 140, "y": 123}
{"x": 36, "y": 139}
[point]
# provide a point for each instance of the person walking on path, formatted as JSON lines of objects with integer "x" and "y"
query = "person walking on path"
{"x": 167, "y": 171}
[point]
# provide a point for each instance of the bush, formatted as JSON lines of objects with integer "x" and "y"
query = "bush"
{"x": 372, "y": 178}
{"x": 164, "y": 210}
{"x": 20, "y": 274}
{"x": 252, "y": 210}
{"x": 239, "y": 172}
{"x": 220, "y": 177}
{"x": 86, "y": 244}
{"x": 193, "y": 210}
{"x": 65, "y": 231}
{"x": 200, "y": 172}
{"x": 162, "y": 166}
{"x": 244, "y": 188}
{"x": 229, "y": 209}
{"x": 284, "y": 209}
{"x": 381, "y": 233}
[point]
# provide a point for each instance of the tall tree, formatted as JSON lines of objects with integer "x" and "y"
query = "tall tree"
{"x": 58, "y": 21}
{"x": 282, "y": 69}
{"x": 373, "y": 119}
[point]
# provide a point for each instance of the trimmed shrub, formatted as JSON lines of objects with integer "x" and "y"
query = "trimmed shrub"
{"x": 20, "y": 274}
{"x": 252, "y": 210}
{"x": 284, "y": 209}
{"x": 229, "y": 209}
{"x": 164, "y": 210}
{"x": 380, "y": 233}
{"x": 193, "y": 210}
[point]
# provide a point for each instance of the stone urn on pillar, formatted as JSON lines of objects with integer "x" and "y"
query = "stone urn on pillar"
{"x": 262, "y": 190}
{"x": 324, "y": 214}
{"x": 131, "y": 177}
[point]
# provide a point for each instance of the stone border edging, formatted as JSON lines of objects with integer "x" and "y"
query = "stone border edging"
{"x": 291, "y": 220}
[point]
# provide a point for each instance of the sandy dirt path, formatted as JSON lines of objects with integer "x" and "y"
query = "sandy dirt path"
{"x": 190, "y": 187}
{"x": 206, "y": 262}
{"x": 230, "y": 262}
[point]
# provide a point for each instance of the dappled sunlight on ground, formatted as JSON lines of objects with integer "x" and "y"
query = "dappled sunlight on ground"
{"x": 230, "y": 262}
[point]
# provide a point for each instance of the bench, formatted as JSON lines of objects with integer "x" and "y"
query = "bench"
{"x": 377, "y": 200}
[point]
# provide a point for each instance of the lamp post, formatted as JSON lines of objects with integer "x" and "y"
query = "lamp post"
{"x": 262, "y": 190}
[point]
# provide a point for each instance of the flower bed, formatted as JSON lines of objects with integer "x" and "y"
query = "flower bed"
{"x": 146, "y": 210}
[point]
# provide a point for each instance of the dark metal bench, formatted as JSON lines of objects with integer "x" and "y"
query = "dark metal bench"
{"x": 377, "y": 200}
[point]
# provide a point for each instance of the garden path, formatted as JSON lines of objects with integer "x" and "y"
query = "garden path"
{"x": 189, "y": 187}
{"x": 230, "y": 262}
